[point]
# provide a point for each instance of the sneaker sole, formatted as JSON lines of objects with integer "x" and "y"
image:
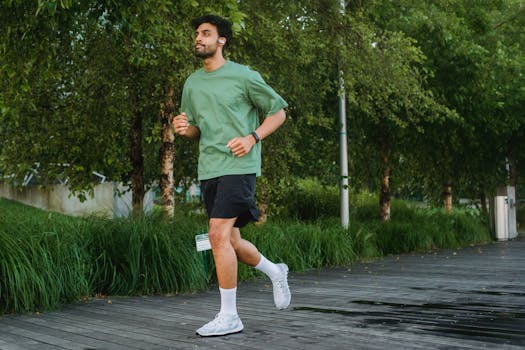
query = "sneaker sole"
{"x": 236, "y": 330}
{"x": 282, "y": 307}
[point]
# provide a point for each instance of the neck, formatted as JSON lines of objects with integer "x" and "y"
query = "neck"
{"x": 213, "y": 63}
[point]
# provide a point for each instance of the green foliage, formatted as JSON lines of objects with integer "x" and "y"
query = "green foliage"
{"x": 283, "y": 40}
{"x": 143, "y": 256}
{"x": 470, "y": 52}
{"x": 302, "y": 245}
{"x": 427, "y": 229}
{"x": 47, "y": 259}
{"x": 308, "y": 199}
{"x": 79, "y": 79}
{"x": 392, "y": 110}
{"x": 148, "y": 255}
{"x": 42, "y": 259}
{"x": 435, "y": 86}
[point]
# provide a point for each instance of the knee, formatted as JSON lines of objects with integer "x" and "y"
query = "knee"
{"x": 218, "y": 237}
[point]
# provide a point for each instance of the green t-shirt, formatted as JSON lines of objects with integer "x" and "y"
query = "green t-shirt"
{"x": 224, "y": 104}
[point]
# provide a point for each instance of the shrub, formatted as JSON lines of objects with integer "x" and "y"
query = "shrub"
{"x": 42, "y": 263}
{"x": 307, "y": 199}
{"x": 147, "y": 255}
{"x": 47, "y": 259}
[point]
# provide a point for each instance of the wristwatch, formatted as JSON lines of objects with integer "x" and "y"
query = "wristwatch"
{"x": 255, "y": 136}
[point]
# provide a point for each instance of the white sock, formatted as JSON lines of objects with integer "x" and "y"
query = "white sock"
{"x": 228, "y": 301}
{"x": 269, "y": 268}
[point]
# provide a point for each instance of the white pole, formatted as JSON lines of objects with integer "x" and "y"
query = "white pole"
{"x": 345, "y": 207}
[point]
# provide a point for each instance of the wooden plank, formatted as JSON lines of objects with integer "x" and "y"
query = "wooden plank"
{"x": 466, "y": 298}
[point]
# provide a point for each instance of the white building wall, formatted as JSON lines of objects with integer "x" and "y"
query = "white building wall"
{"x": 106, "y": 202}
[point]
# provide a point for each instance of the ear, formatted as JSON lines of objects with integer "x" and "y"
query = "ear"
{"x": 222, "y": 41}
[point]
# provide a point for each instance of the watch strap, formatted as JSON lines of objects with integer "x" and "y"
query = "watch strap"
{"x": 255, "y": 136}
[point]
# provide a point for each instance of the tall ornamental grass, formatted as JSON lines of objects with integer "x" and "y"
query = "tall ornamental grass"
{"x": 147, "y": 255}
{"x": 301, "y": 245}
{"x": 423, "y": 229}
{"x": 42, "y": 260}
{"x": 47, "y": 259}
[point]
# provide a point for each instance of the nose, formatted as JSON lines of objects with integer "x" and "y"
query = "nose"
{"x": 198, "y": 38}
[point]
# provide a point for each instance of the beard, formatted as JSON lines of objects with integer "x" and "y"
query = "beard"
{"x": 205, "y": 52}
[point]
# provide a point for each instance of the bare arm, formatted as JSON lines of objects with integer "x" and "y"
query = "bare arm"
{"x": 240, "y": 146}
{"x": 183, "y": 128}
{"x": 270, "y": 124}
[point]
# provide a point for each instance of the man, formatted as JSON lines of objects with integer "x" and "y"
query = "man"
{"x": 220, "y": 106}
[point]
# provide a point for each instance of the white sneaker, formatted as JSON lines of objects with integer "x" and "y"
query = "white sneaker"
{"x": 281, "y": 291}
{"x": 221, "y": 325}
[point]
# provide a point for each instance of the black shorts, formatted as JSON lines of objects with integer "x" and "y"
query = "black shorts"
{"x": 231, "y": 196}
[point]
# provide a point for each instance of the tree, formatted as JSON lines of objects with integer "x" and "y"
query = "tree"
{"x": 435, "y": 92}
{"x": 389, "y": 102}
{"x": 92, "y": 87}
{"x": 505, "y": 39}
{"x": 461, "y": 43}
{"x": 287, "y": 42}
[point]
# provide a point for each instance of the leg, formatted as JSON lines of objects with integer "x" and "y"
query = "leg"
{"x": 227, "y": 321}
{"x": 246, "y": 252}
{"x": 220, "y": 232}
{"x": 278, "y": 273}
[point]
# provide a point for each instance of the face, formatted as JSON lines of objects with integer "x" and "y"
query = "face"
{"x": 206, "y": 41}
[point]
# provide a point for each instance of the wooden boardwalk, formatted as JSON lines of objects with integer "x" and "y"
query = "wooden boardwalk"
{"x": 472, "y": 298}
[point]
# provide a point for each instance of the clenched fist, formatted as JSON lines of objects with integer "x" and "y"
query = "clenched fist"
{"x": 181, "y": 124}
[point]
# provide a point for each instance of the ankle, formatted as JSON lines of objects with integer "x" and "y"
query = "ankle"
{"x": 268, "y": 268}
{"x": 228, "y": 301}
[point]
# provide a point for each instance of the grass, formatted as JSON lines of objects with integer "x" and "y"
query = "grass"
{"x": 41, "y": 259}
{"x": 48, "y": 259}
{"x": 300, "y": 245}
{"x": 143, "y": 256}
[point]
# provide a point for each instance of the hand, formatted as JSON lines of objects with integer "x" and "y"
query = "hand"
{"x": 181, "y": 124}
{"x": 240, "y": 146}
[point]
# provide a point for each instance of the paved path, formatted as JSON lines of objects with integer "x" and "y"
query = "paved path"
{"x": 472, "y": 298}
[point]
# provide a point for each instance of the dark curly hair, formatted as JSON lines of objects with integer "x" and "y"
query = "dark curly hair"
{"x": 224, "y": 27}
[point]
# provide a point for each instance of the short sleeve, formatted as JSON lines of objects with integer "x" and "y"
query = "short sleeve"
{"x": 267, "y": 101}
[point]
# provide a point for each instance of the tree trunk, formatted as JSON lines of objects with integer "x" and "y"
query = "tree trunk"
{"x": 384, "y": 196}
{"x": 483, "y": 202}
{"x": 137, "y": 163}
{"x": 167, "y": 155}
{"x": 447, "y": 197}
{"x": 263, "y": 214}
{"x": 513, "y": 173}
